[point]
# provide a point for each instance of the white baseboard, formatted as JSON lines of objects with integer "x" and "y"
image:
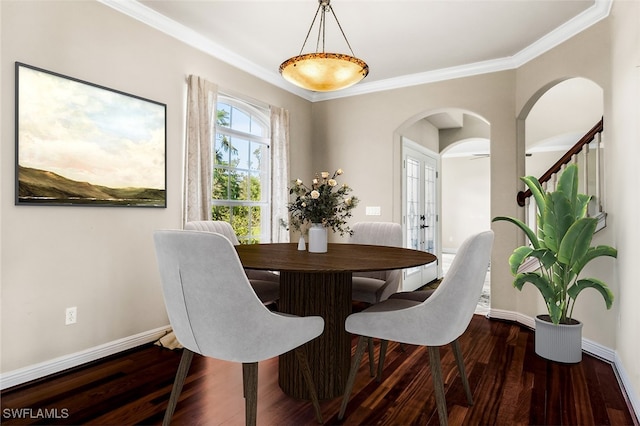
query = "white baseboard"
{"x": 37, "y": 371}
{"x": 588, "y": 346}
{"x": 627, "y": 387}
{"x": 525, "y": 320}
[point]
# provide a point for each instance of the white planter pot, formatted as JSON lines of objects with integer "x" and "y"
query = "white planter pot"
{"x": 317, "y": 238}
{"x": 561, "y": 343}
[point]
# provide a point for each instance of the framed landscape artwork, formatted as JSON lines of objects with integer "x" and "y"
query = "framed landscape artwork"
{"x": 81, "y": 144}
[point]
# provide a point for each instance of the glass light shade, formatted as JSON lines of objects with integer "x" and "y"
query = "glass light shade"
{"x": 324, "y": 72}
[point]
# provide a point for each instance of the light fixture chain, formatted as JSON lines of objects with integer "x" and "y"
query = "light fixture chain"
{"x": 311, "y": 27}
{"x": 340, "y": 26}
{"x": 321, "y": 29}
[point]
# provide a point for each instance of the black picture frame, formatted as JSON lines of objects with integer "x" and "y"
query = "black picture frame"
{"x": 82, "y": 144}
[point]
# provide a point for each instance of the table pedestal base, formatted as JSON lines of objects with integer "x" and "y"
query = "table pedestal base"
{"x": 327, "y": 295}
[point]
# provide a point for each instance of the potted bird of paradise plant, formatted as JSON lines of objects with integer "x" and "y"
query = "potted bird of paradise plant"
{"x": 562, "y": 248}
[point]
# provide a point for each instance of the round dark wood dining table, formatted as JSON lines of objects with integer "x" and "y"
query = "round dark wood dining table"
{"x": 320, "y": 284}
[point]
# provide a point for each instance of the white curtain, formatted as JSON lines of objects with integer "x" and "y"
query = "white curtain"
{"x": 201, "y": 116}
{"x": 279, "y": 174}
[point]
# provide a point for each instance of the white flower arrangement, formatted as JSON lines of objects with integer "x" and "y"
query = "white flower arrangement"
{"x": 322, "y": 203}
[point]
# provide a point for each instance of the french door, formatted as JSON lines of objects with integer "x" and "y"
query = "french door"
{"x": 421, "y": 207}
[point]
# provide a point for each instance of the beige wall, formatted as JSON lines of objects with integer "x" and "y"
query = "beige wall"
{"x": 622, "y": 105}
{"x": 101, "y": 260}
{"x": 98, "y": 259}
{"x": 363, "y": 131}
{"x": 466, "y": 199}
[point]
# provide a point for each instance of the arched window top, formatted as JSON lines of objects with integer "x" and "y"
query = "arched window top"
{"x": 242, "y": 168}
{"x": 242, "y": 117}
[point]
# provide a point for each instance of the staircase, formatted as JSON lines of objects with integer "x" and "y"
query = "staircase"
{"x": 587, "y": 154}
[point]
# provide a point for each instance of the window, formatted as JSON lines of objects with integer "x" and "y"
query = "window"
{"x": 241, "y": 169}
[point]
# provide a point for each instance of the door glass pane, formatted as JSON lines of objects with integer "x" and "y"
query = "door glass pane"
{"x": 413, "y": 207}
{"x": 430, "y": 208}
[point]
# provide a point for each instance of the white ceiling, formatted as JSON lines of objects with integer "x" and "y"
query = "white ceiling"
{"x": 404, "y": 42}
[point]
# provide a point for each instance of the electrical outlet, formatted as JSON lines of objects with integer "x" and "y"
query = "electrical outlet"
{"x": 372, "y": 211}
{"x": 71, "y": 316}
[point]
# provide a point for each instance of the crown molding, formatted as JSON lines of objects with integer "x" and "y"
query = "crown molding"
{"x": 409, "y": 80}
{"x": 150, "y": 17}
{"x": 599, "y": 11}
{"x": 132, "y": 8}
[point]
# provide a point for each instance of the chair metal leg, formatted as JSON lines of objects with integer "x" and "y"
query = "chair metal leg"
{"x": 383, "y": 353}
{"x": 372, "y": 367}
{"x": 362, "y": 345}
{"x": 181, "y": 375}
{"x": 455, "y": 345}
{"x": 438, "y": 384}
{"x": 301, "y": 355}
{"x": 250, "y": 383}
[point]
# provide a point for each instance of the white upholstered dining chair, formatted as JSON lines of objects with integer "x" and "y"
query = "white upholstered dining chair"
{"x": 439, "y": 320}
{"x": 215, "y": 313}
{"x": 373, "y": 287}
{"x": 266, "y": 284}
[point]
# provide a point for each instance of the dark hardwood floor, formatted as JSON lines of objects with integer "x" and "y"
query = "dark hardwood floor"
{"x": 511, "y": 385}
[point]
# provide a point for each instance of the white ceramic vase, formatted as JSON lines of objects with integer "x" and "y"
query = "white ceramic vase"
{"x": 317, "y": 238}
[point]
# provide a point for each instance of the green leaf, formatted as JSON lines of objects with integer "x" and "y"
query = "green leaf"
{"x": 591, "y": 254}
{"x": 594, "y": 283}
{"x": 555, "y": 311}
{"x": 541, "y": 282}
{"x": 577, "y": 241}
{"x": 530, "y": 234}
{"x": 552, "y": 299}
{"x": 582, "y": 204}
{"x": 536, "y": 191}
{"x": 546, "y": 257}
{"x": 518, "y": 256}
{"x": 557, "y": 217}
{"x": 568, "y": 182}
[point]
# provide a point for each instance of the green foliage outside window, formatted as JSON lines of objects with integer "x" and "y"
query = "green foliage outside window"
{"x": 232, "y": 184}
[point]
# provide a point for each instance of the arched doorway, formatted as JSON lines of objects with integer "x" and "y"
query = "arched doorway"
{"x": 558, "y": 117}
{"x": 551, "y": 122}
{"x": 459, "y": 140}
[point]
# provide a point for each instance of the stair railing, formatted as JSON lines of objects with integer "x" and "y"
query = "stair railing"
{"x": 579, "y": 153}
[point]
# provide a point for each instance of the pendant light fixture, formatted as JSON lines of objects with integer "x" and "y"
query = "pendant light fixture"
{"x": 322, "y": 71}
